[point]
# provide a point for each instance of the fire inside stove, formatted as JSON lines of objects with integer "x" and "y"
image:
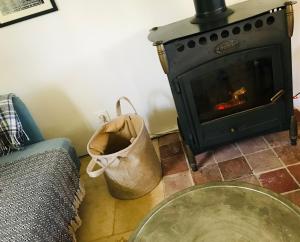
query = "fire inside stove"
{"x": 233, "y": 87}
{"x": 238, "y": 98}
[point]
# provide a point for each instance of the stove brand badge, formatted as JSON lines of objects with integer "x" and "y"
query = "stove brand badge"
{"x": 227, "y": 46}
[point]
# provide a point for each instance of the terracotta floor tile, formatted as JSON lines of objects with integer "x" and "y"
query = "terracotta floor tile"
{"x": 170, "y": 150}
{"x": 210, "y": 173}
{"x": 278, "y": 181}
{"x": 263, "y": 161}
{"x": 294, "y": 197}
{"x": 205, "y": 159}
{"x": 252, "y": 145}
{"x": 249, "y": 179}
{"x": 129, "y": 213}
{"x": 174, "y": 164}
{"x": 235, "y": 168}
{"x": 279, "y": 138}
{"x": 288, "y": 154}
{"x": 168, "y": 139}
{"x": 177, "y": 182}
{"x": 227, "y": 152}
{"x": 295, "y": 170}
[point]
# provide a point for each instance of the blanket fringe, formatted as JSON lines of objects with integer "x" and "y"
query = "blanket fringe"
{"x": 76, "y": 221}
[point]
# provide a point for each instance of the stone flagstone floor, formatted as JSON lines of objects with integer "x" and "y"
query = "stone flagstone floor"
{"x": 268, "y": 161}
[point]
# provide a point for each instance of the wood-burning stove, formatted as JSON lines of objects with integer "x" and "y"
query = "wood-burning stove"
{"x": 230, "y": 71}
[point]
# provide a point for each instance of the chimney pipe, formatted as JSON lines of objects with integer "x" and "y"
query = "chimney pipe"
{"x": 210, "y": 11}
{"x": 205, "y": 8}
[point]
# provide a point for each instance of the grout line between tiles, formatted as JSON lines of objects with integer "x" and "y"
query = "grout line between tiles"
{"x": 172, "y": 175}
{"x": 256, "y": 152}
{"x": 284, "y": 166}
{"x": 242, "y": 177}
{"x": 262, "y": 150}
{"x": 270, "y": 170}
{"x": 191, "y": 179}
{"x": 286, "y": 193}
{"x": 235, "y": 157}
{"x": 256, "y": 176}
{"x": 298, "y": 163}
{"x": 215, "y": 160}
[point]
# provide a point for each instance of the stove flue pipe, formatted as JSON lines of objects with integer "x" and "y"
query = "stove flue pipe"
{"x": 206, "y": 8}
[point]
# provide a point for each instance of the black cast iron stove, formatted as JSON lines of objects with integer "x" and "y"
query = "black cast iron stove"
{"x": 230, "y": 71}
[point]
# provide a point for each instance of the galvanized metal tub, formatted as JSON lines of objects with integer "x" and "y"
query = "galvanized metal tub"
{"x": 222, "y": 212}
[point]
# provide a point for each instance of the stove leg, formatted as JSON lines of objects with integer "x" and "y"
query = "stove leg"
{"x": 191, "y": 158}
{"x": 293, "y": 131}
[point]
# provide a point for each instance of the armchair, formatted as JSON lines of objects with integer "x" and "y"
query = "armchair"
{"x": 40, "y": 189}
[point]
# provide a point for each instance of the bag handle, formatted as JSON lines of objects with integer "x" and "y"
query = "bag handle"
{"x": 100, "y": 171}
{"x": 118, "y": 105}
{"x": 91, "y": 167}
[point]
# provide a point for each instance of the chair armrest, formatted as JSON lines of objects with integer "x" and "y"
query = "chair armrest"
{"x": 41, "y": 147}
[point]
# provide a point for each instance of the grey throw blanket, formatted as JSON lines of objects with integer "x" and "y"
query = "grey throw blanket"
{"x": 39, "y": 198}
{"x": 12, "y": 135}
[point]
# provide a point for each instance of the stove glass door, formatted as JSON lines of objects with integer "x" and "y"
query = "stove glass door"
{"x": 234, "y": 83}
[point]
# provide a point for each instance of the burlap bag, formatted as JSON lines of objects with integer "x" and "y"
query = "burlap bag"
{"x": 123, "y": 151}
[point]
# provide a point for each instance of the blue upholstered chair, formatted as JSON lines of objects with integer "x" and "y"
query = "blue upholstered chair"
{"x": 36, "y": 143}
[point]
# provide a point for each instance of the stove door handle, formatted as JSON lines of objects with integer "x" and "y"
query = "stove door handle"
{"x": 277, "y": 96}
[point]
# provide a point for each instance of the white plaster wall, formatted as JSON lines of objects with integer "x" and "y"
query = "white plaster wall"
{"x": 296, "y": 53}
{"x": 70, "y": 64}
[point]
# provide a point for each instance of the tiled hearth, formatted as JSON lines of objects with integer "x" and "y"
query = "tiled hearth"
{"x": 269, "y": 161}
